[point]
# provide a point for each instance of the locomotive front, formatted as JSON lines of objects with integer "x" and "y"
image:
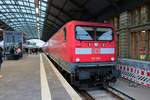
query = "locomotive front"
{"x": 94, "y": 53}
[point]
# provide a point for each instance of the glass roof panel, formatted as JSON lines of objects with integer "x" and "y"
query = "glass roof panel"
{"x": 21, "y": 15}
{"x": 43, "y": 8}
{"x": 20, "y": 2}
{"x": 1, "y": 2}
{"x": 43, "y": 4}
{"x": 44, "y": 0}
{"x": 8, "y": 2}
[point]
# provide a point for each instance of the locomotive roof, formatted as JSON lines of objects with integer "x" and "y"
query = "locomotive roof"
{"x": 88, "y": 23}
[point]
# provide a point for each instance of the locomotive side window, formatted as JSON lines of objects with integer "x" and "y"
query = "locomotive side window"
{"x": 64, "y": 30}
{"x": 103, "y": 34}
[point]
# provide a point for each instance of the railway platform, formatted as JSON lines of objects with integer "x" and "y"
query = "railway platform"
{"x": 34, "y": 78}
{"x": 134, "y": 90}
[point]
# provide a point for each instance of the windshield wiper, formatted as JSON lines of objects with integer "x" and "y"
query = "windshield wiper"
{"x": 77, "y": 36}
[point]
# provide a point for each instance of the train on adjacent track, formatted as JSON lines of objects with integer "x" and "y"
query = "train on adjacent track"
{"x": 85, "y": 51}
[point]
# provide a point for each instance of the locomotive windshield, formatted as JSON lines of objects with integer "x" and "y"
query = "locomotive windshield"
{"x": 93, "y": 33}
{"x": 103, "y": 34}
{"x": 84, "y": 33}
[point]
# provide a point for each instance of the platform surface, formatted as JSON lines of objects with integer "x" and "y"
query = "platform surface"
{"x": 23, "y": 80}
{"x": 137, "y": 91}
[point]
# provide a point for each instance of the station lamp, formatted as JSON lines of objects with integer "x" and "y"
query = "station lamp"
{"x": 37, "y": 5}
{"x": 37, "y": 10}
{"x": 37, "y": 18}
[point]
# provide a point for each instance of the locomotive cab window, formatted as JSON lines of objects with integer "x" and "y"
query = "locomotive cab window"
{"x": 84, "y": 33}
{"x": 104, "y": 34}
{"x": 93, "y": 33}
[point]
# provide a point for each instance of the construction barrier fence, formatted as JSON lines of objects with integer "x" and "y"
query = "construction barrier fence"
{"x": 134, "y": 70}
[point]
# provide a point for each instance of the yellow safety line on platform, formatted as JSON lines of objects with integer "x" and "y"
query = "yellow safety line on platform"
{"x": 45, "y": 90}
{"x": 65, "y": 84}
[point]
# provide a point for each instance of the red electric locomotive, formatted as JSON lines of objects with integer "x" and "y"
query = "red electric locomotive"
{"x": 86, "y": 51}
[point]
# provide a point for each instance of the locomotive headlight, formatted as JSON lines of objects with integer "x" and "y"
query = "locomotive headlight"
{"x": 77, "y": 59}
{"x": 112, "y": 58}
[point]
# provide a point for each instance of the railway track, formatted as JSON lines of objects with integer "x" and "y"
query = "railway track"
{"x": 108, "y": 93}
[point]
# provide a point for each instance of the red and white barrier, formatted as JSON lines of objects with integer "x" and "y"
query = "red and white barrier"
{"x": 137, "y": 75}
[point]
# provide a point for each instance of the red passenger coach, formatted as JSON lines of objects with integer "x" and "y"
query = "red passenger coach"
{"x": 86, "y": 51}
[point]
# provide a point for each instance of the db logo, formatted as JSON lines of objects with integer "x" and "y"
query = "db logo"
{"x": 95, "y": 51}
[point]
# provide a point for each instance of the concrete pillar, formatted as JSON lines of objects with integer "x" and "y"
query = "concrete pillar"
{"x": 124, "y": 35}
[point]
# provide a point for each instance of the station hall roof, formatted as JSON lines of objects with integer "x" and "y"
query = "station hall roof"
{"x": 61, "y": 11}
{"x": 42, "y": 18}
{"x": 24, "y": 16}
